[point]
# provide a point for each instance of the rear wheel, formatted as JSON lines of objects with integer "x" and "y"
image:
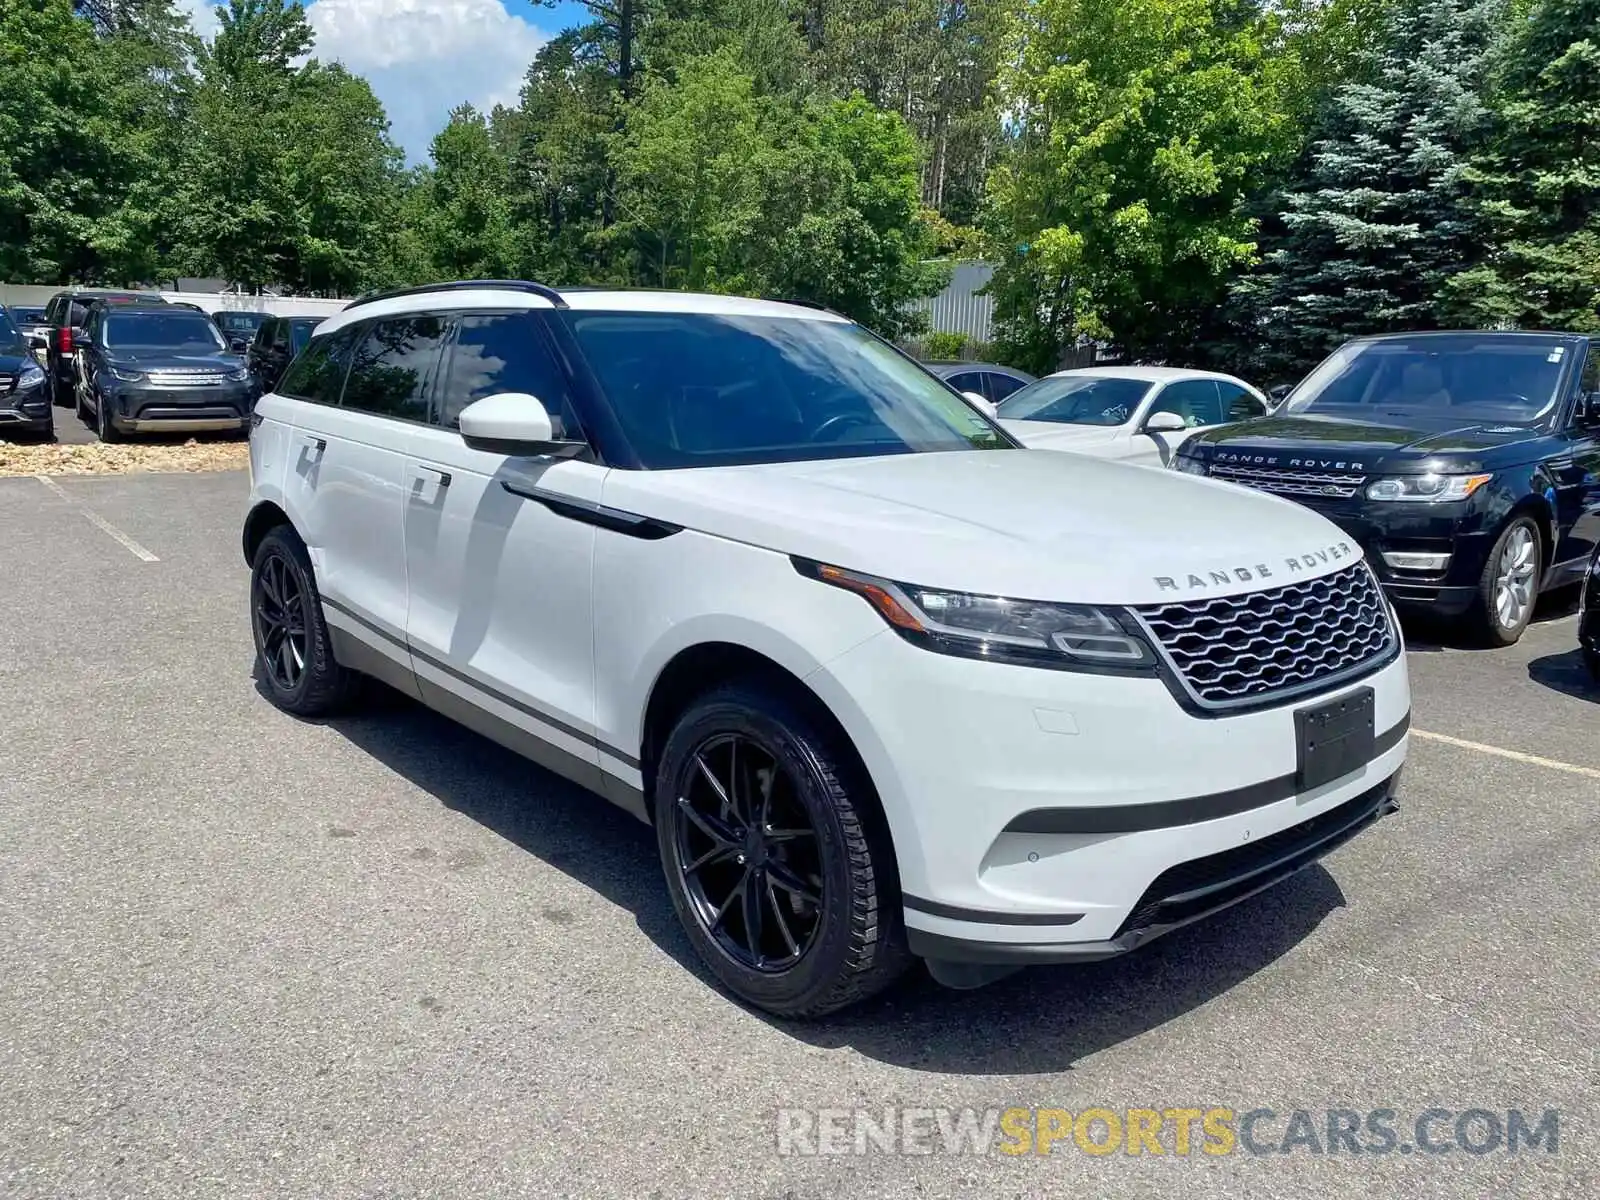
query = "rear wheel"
{"x": 766, "y": 833}
{"x": 1509, "y": 586}
{"x": 294, "y": 654}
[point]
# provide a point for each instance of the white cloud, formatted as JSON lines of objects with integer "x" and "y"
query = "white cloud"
{"x": 422, "y": 57}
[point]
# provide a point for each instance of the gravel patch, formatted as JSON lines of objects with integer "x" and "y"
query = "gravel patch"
{"x": 100, "y": 459}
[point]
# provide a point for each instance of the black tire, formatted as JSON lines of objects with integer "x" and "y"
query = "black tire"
{"x": 321, "y": 685}
{"x": 1486, "y": 621}
{"x": 856, "y": 945}
{"x": 106, "y": 431}
{"x": 78, "y": 406}
{"x": 57, "y": 400}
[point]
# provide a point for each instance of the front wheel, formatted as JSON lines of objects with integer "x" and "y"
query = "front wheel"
{"x": 776, "y": 867}
{"x": 1509, "y": 586}
{"x": 103, "y": 427}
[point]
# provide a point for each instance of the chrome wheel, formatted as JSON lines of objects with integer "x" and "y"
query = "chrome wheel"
{"x": 280, "y": 618}
{"x": 1514, "y": 578}
{"x": 747, "y": 854}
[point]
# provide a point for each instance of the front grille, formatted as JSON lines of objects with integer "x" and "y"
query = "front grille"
{"x": 1234, "y": 650}
{"x": 1339, "y": 485}
{"x": 8, "y": 384}
{"x": 187, "y": 379}
{"x": 1203, "y": 885}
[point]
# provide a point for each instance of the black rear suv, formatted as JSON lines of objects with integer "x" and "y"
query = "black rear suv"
{"x": 1467, "y": 464}
{"x": 159, "y": 369}
{"x": 66, "y": 315}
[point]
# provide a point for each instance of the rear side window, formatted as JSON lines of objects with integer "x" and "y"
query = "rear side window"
{"x": 504, "y": 352}
{"x": 967, "y": 381}
{"x": 318, "y": 374}
{"x": 1001, "y": 386}
{"x": 1197, "y": 401}
{"x": 394, "y": 366}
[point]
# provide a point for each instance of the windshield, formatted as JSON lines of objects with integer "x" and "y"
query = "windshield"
{"x": 701, "y": 389}
{"x": 1076, "y": 400}
{"x": 1460, "y": 378}
{"x": 164, "y": 331}
{"x": 10, "y": 336}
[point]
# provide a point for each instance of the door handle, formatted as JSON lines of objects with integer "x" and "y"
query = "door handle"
{"x": 442, "y": 478}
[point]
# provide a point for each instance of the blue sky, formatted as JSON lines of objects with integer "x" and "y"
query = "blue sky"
{"x": 424, "y": 57}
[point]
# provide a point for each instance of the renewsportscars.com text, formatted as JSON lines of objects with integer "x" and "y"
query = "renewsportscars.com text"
{"x": 1179, "y": 1131}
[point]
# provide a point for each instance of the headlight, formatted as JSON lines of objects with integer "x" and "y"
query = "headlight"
{"x": 239, "y": 376}
{"x": 1427, "y": 489}
{"x": 1066, "y": 637}
{"x": 1189, "y": 464}
{"x": 31, "y": 375}
{"x": 127, "y": 376}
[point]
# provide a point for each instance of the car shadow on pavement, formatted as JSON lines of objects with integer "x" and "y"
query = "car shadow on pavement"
{"x": 1565, "y": 673}
{"x": 1035, "y": 1022}
{"x": 1425, "y": 633}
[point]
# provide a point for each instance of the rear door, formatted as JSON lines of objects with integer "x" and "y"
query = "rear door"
{"x": 500, "y": 619}
{"x": 1576, "y": 472}
{"x": 362, "y": 399}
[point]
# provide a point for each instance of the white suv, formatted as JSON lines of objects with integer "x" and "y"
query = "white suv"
{"x": 886, "y": 683}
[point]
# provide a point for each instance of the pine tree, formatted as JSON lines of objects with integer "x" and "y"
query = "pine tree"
{"x": 1374, "y": 222}
{"x": 1539, "y": 183}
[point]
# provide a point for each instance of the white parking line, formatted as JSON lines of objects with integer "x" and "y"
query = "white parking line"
{"x": 99, "y": 522}
{"x": 1515, "y": 755}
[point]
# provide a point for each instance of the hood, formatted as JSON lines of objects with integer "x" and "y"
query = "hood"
{"x": 1408, "y": 444}
{"x": 1056, "y": 435}
{"x": 1014, "y": 523}
{"x": 154, "y": 358}
{"x": 13, "y": 357}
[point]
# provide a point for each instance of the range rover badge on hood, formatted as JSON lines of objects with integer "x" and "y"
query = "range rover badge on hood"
{"x": 1252, "y": 572}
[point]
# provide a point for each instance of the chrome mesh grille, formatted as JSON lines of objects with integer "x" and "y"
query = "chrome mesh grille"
{"x": 1333, "y": 484}
{"x": 187, "y": 379}
{"x": 1243, "y": 649}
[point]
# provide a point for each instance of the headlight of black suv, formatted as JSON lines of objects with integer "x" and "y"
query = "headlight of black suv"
{"x": 1063, "y": 637}
{"x": 1189, "y": 464}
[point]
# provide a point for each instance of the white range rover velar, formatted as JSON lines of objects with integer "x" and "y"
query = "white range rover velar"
{"x": 886, "y": 684}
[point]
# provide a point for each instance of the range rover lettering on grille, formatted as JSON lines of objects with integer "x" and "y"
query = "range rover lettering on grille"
{"x": 1249, "y": 573}
{"x": 1258, "y": 647}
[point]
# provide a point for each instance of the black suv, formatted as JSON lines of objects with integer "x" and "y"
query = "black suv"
{"x": 1466, "y": 463}
{"x": 24, "y": 399}
{"x": 159, "y": 369}
{"x": 276, "y": 343}
{"x": 66, "y": 315}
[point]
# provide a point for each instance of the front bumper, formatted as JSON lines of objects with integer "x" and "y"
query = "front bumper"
{"x": 1043, "y": 815}
{"x": 141, "y": 409}
{"x": 26, "y": 410}
{"x": 1457, "y": 530}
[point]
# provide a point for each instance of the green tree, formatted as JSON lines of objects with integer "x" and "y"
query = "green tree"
{"x": 462, "y": 205}
{"x": 1140, "y": 128}
{"x": 1368, "y": 234}
{"x": 1538, "y": 183}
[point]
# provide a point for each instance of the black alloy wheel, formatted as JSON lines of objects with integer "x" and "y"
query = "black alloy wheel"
{"x": 280, "y": 617}
{"x": 747, "y": 854}
{"x": 294, "y": 652}
{"x": 776, "y": 855}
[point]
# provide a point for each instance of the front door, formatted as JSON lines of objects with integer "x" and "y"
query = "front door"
{"x": 500, "y": 618}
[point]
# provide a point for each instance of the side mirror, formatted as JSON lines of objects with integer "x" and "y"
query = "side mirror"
{"x": 513, "y": 423}
{"x": 1278, "y": 392}
{"x": 38, "y": 341}
{"x": 981, "y": 403}
{"x": 238, "y": 344}
{"x": 1165, "y": 422}
{"x": 1588, "y": 412}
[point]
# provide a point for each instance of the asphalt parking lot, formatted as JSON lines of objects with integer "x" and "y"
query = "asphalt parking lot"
{"x": 244, "y": 955}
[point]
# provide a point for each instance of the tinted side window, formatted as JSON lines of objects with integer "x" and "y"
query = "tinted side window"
{"x": 1195, "y": 400}
{"x": 1001, "y": 386}
{"x": 318, "y": 374}
{"x": 967, "y": 381}
{"x": 1238, "y": 404}
{"x": 394, "y": 366}
{"x": 504, "y": 352}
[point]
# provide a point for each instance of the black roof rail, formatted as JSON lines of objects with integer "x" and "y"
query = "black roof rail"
{"x": 462, "y": 285}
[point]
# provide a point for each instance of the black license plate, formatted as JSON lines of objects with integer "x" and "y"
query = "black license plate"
{"x": 1335, "y": 739}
